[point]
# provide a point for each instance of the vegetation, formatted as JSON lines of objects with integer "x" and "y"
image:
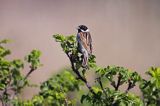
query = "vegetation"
{"x": 60, "y": 89}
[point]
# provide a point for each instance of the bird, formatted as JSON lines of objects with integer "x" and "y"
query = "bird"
{"x": 84, "y": 42}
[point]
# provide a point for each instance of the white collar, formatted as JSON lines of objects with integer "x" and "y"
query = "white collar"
{"x": 85, "y": 31}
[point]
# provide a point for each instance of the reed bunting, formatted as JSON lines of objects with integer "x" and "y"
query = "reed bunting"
{"x": 84, "y": 41}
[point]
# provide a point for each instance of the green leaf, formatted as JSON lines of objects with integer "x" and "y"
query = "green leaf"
{"x": 2, "y": 86}
{"x": 33, "y": 59}
{"x": 83, "y": 97}
{"x": 4, "y": 41}
{"x": 18, "y": 64}
{"x": 59, "y": 38}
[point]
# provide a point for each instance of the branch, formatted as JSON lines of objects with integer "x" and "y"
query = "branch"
{"x": 66, "y": 102}
{"x": 130, "y": 86}
{"x": 101, "y": 85}
{"x": 78, "y": 74}
{"x": 15, "y": 91}
{"x": 5, "y": 91}
{"x": 27, "y": 75}
{"x": 1, "y": 99}
{"x": 118, "y": 83}
{"x": 10, "y": 87}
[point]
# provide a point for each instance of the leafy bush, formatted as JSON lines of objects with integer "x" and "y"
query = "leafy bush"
{"x": 57, "y": 90}
{"x": 151, "y": 88}
{"x": 53, "y": 92}
{"x": 11, "y": 79}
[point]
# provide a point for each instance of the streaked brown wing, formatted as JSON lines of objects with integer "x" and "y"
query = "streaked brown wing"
{"x": 90, "y": 42}
{"x": 86, "y": 41}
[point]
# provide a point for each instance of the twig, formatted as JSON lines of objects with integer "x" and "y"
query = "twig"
{"x": 1, "y": 99}
{"x": 113, "y": 84}
{"x": 118, "y": 83}
{"x": 5, "y": 91}
{"x": 27, "y": 75}
{"x": 130, "y": 86}
{"x": 101, "y": 85}
{"x": 66, "y": 102}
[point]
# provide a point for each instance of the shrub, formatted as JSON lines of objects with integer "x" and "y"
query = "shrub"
{"x": 56, "y": 90}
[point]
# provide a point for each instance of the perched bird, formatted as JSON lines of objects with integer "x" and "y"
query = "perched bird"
{"x": 84, "y": 41}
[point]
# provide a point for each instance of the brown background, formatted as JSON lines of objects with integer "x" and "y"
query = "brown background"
{"x": 125, "y": 32}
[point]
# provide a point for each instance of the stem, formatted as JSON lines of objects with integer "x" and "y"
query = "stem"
{"x": 2, "y": 103}
{"x": 101, "y": 85}
{"x": 78, "y": 74}
{"x": 130, "y": 86}
{"x": 118, "y": 83}
{"x": 1, "y": 99}
{"x": 27, "y": 75}
{"x": 5, "y": 91}
{"x": 66, "y": 102}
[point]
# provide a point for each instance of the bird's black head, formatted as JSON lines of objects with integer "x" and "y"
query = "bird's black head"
{"x": 82, "y": 28}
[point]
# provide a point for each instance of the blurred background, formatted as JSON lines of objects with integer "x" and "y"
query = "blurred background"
{"x": 124, "y": 32}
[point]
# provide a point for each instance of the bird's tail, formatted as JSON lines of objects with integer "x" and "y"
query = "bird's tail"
{"x": 85, "y": 60}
